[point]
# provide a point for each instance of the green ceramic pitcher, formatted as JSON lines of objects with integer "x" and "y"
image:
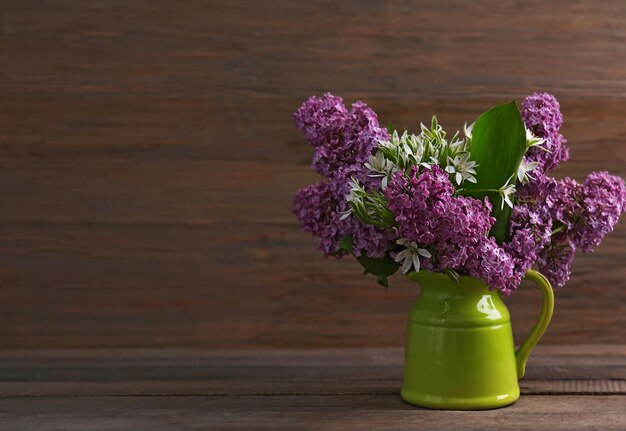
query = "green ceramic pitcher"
{"x": 459, "y": 348}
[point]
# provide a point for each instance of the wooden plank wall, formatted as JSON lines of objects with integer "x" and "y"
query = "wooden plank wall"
{"x": 148, "y": 159}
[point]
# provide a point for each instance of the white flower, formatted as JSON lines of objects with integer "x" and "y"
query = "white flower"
{"x": 413, "y": 149}
{"x": 356, "y": 190}
{"x": 410, "y": 255}
{"x": 506, "y": 192}
{"x": 468, "y": 130}
{"x": 393, "y": 143}
{"x": 347, "y": 213}
{"x": 462, "y": 167}
{"x": 376, "y": 162}
{"x": 532, "y": 140}
{"x": 354, "y": 198}
{"x": 381, "y": 167}
{"x": 395, "y": 138}
{"x": 524, "y": 168}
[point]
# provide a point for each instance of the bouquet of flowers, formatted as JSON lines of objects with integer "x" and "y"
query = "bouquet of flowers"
{"x": 480, "y": 203}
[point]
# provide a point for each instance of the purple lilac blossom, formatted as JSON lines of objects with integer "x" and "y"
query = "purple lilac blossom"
{"x": 550, "y": 221}
{"x": 456, "y": 228}
{"x": 416, "y": 200}
{"x": 343, "y": 141}
{"x": 320, "y": 213}
{"x": 555, "y": 260}
{"x": 316, "y": 208}
{"x": 564, "y": 203}
{"x": 321, "y": 118}
{"x": 531, "y": 223}
{"x": 544, "y": 204}
{"x": 340, "y": 138}
{"x": 523, "y": 250}
{"x": 580, "y": 214}
{"x": 375, "y": 242}
{"x": 462, "y": 224}
{"x": 493, "y": 264}
{"x": 542, "y": 116}
{"x": 603, "y": 202}
{"x": 531, "y": 229}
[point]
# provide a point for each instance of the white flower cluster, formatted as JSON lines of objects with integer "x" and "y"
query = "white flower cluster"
{"x": 430, "y": 147}
{"x": 425, "y": 149}
{"x": 410, "y": 256}
{"x": 526, "y": 167}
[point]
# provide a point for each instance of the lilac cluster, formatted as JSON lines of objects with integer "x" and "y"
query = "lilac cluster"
{"x": 555, "y": 260}
{"x": 568, "y": 216}
{"x": 550, "y": 221}
{"x": 418, "y": 201}
{"x": 342, "y": 140}
{"x": 542, "y": 116}
{"x": 454, "y": 227}
{"x": 493, "y": 264}
{"x": 603, "y": 202}
{"x": 531, "y": 222}
{"x": 531, "y": 229}
{"x": 320, "y": 213}
{"x": 317, "y": 209}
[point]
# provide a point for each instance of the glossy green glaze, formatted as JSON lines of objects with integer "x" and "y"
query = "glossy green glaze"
{"x": 459, "y": 349}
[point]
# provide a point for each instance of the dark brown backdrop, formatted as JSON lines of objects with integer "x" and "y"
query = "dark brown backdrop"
{"x": 148, "y": 159}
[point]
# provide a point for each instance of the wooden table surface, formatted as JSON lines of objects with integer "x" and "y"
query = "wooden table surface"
{"x": 566, "y": 388}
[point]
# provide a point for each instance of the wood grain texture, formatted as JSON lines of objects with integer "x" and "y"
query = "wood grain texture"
{"x": 586, "y": 369}
{"x": 566, "y": 388}
{"x": 148, "y": 160}
{"x": 304, "y": 413}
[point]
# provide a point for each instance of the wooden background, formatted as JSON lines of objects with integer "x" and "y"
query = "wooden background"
{"x": 148, "y": 160}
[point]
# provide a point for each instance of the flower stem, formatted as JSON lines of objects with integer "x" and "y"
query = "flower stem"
{"x": 476, "y": 191}
{"x": 558, "y": 229}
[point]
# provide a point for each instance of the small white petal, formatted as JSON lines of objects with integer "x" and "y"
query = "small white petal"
{"x": 406, "y": 266}
{"x": 416, "y": 263}
{"x": 531, "y": 166}
{"x": 423, "y": 252}
{"x": 404, "y": 254}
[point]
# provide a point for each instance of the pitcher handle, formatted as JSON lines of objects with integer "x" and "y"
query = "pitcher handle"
{"x": 521, "y": 355}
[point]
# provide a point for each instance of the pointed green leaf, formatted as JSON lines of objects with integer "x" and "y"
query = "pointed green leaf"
{"x": 455, "y": 276}
{"x": 498, "y": 145}
{"x": 346, "y": 244}
{"x": 385, "y": 266}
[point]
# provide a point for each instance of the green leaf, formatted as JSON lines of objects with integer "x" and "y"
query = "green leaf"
{"x": 498, "y": 145}
{"x": 383, "y": 281}
{"x": 346, "y": 244}
{"x": 382, "y": 268}
{"x": 455, "y": 276}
